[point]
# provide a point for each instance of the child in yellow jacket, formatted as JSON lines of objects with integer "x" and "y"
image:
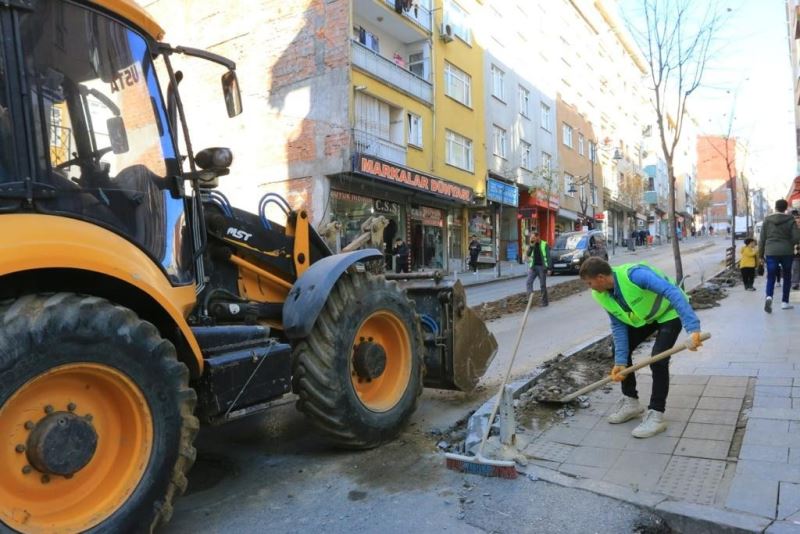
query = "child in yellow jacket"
{"x": 747, "y": 265}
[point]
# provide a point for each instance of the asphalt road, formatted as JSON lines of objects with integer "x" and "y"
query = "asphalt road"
{"x": 272, "y": 473}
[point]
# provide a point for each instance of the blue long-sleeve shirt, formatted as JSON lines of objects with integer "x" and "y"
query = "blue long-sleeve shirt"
{"x": 647, "y": 279}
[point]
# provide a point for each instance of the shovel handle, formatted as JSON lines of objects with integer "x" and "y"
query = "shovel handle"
{"x": 628, "y": 370}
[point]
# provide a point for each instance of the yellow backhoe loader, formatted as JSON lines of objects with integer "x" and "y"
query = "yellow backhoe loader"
{"x": 136, "y": 302}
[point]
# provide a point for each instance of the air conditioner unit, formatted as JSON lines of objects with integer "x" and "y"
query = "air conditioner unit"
{"x": 446, "y": 33}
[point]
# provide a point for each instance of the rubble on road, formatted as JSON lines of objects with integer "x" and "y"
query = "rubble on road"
{"x": 516, "y": 303}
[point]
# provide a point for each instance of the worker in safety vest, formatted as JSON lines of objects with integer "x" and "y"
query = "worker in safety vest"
{"x": 641, "y": 300}
{"x": 538, "y": 258}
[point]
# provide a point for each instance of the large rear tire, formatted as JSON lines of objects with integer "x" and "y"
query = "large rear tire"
{"x": 96, "y": 424}
{"x": 359, "y": 373}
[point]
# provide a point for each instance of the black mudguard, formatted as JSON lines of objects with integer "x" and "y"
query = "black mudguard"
{"x": 308, "y": 295}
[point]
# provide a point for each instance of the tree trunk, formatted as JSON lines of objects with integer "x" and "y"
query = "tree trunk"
{"x": 673, "y": 223}
{"x": 733, "y": 211}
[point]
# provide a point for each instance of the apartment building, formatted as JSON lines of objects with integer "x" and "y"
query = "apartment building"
{"x": 721, "y": 164}
{"x": 353, "y": 109}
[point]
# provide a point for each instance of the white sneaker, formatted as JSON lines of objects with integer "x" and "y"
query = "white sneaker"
{"x": 626, "y": 409}
{"x": 652, "y": 424}
{"x": 768, "y": 305}
{"x": 786, "y": 306}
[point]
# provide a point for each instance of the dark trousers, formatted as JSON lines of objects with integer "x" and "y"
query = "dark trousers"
{"x": 402, "y": 264}
{"x": 748, "y": 276}
{"x": 666, "y": 336}
{"x": 785, "y": 264}
{"x": 473, "y": 263}
{"x": 534, "y": 272}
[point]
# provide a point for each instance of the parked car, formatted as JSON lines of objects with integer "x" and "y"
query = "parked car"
{"x": 571, "y": 250}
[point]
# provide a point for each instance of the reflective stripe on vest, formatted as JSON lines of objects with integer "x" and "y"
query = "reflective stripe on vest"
{"x": 646, "y": 306}
{"x": 543, "y": 249}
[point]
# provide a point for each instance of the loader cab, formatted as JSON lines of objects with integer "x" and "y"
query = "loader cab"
{"x": 85, "y": 132}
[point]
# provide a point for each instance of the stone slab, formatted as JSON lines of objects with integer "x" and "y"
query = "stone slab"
{"x": 764, "y": 453}
{"x": 719, "y": 403}
{"x": 699, "y": 448}
{"x": 727, "y": 381}
{"x": 795, "y": 392}
{"x": 724, "y": 371}
{"x": 777, "y": 439}
{"x": 794, "y": 455}
{"x": 690, "y": 379}
{"x": 593, "y": 457}
{"x": 677, "y": 414}
{"x": 775, "y": 381}
{"x": 784, "y": 527}
{"x": 715, "y": 417}
{"x": 692, "y": 479}
{"x": 639, "y": 470}
{"x": 709, "y": 431}
{"x": 773, "y": 391}
{"x": 568, "y": 436}
{"x": 773, "y": 471}
{"x": 767, "y": 425}
{"x": 760, "y": 401}
{"x": 645, "y": 499}
{"x": 701, "y": 519}
{"x": 784, "y": 414}
{"x": 606, "y": 440}
{"x": 693, "y": 390}
{"x": 788, "y": 499}
{"x": 582, "y": 420}
{"x": 660, "y": 444}
{"x": 544, "y": 449}
{"x": 754, "y": 495}
{"x": 733, "y": 392}
{"x": 675, "y": 428}
{"x": 684, "y": 401}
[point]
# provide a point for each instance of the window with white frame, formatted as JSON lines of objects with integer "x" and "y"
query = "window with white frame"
{"x": 547, "y": 161}
{"x": 524, "y": 101}
{"x": 457, "y": 84}
{"x": 594, "y": 196}
{"x": 498, "y": 83}
{"x": 545, "y": 117}
{"x": 499, "y": 141}
{"x": 581, "y": 144}
{"x": 569, "y": 182}
{"x": 415, "y": 130}
{"x": 457, "y": 18}
{"x": 592, "y": 151}
{"x": 458, "y": 151}
{"x": 525, "y": 156}
{"x": 566, "y": 134}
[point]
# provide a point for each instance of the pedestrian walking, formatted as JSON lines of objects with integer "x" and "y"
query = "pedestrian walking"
{"x": 747, "y": 265}
{"x": 703, "y": 230}
{"x": 401, "y": 253}
{"x": 780, "y": 232}
{"x": 641, "y": 300}
{"x": 538, "y": 258}
{"x": 711, "y": 229}
{"x": 474, "y": 252}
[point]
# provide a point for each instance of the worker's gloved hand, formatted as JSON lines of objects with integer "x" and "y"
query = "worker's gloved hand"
{"x": 693, "y": 341}
{"x": 615, "y": 376}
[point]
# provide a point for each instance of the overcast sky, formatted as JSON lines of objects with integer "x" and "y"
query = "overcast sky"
{"x": 750, "y": 72}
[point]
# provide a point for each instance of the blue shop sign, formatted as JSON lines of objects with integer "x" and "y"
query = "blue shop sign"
{"x": 502, "y": 192}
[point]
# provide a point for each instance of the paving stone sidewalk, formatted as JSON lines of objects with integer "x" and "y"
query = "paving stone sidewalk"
{"x": 733, "y": 440}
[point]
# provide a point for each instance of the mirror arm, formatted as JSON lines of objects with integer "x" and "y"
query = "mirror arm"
{"x": 165, "y": 48}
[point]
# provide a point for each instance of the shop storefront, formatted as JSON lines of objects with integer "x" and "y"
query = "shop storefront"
{"x": 425, "y": 211}
{"x": 504, "y": 199}
{"x": 536, "y": 213}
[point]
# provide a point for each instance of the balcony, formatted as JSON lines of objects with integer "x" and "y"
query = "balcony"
{"x": 418, "y": 15}
{"x": 386, "y": 70}
{"x": 372, "y": 145}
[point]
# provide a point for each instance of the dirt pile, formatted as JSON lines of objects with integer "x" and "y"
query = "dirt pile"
{"x": 710, "y": 293}
{"x": 516, "y": 303}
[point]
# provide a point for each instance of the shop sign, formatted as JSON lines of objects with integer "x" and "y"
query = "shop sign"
{"x": 351, "y": 197}
{"x": 432, "y": 217}
{"x": 599, "y": 216}
{"x": 502, "y": 192}
{"x": 541, "y": 200}
{"x": 387, "y": 206}
{"x": 395, "y": 174}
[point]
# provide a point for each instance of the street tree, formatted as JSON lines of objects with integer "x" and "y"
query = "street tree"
{"x": 675, "y": 38}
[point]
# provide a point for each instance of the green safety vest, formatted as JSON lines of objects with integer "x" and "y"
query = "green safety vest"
{"x": 646, "y": 307}
{"x": 543, "y": 248}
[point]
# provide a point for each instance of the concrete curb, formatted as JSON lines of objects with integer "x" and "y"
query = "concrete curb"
{"x": 682, "y": 517}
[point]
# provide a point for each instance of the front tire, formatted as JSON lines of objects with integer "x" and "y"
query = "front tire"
{"x": 359, "y": 373}
{"x": 81, "y": 363}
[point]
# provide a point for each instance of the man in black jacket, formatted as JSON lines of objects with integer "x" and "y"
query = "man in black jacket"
{"x": 401, "y": 253}
{"x": 779, "y": 234}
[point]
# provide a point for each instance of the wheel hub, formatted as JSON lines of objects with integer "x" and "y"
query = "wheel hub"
{"x": 369, "y": 360}
{"x": 62, "y": 443}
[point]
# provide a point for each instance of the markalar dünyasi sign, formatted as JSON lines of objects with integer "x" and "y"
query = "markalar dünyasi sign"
{"x": 395, "y": 174}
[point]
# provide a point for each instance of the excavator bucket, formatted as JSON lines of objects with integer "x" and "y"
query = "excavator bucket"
{"x": 458, "y": 346}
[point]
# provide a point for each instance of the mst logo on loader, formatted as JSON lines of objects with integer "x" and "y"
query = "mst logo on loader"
{"x": 238, "y": 234}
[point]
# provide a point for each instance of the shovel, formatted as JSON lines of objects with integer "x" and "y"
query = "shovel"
{"x": 628, "y": 370}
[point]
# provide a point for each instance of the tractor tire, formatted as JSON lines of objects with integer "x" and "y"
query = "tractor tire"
{"x": 359, "y": 372}
{"x": 96, "y": 417}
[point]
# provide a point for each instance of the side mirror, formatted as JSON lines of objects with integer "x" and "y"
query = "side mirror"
{"x": 117, "y": 135}
{"x": 233, "y": 97}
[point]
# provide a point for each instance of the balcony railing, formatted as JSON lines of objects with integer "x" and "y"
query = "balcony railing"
{"x": 404, "y": 80}
{"x": 372, "y": 145}
{"x": 418, "y": 14}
